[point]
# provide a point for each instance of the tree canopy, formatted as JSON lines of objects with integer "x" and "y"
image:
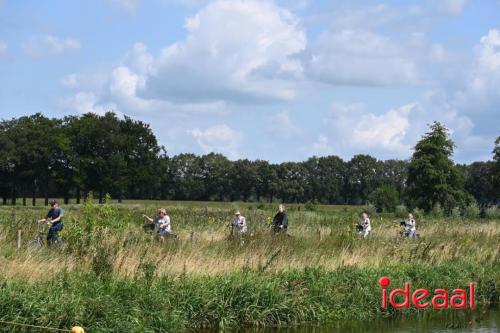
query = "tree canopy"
{"x": 69, "y": 157}
{"x": 433, "y": 177}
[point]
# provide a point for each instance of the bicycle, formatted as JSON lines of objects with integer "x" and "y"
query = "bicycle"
{"x": 40, "y": 237}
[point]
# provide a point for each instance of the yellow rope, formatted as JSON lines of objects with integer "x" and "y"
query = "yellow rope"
{"x": 34, "y": 326}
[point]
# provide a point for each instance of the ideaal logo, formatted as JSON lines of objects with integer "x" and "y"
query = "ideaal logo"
{"x": 422, "y": 298}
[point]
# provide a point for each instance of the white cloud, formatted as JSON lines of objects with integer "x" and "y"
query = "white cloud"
{"x": 322, "y": 146}
{"x": 487, "y": 67}
{"x": 281, "y": 126}
{"x": 386, "y": 131}
{"x": 359, "y": 57}
{"x": 235, "y": 50}
{"x": 84, "y": 102}
{"x": 479, "y": 98}
{"x": 452, "y": 7}
{"x": 138, "y": 59}
{"x": 220, "y": 139}
{"x": 355, "y": 129}
{"x": 50, "y": 45}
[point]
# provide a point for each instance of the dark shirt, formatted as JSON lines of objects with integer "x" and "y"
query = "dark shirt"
{"x": 281, "y": 219}
{"x": 54, "y": 213}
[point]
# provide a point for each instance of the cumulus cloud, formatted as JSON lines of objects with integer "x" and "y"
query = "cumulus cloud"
{"x": 480, "y": 97}
{"x": 219, "y": 138}
{"x": 364, "y": 130}
{"x": 359, "y": 57}
{"x": 84, "y": 102}
{"x": 50, "y": 45}
{"x": 351, "y": 128}
{"x": 234, "y": 50}
{"x": 281, "y": 126}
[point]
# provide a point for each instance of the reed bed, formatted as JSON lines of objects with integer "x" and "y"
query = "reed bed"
{"x": 110, "y": 275}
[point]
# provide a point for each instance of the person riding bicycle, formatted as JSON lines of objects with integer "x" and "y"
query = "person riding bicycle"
{"x": 161, "y": 223}
{"x": 280, "y": 220}
{"x": 410, "y": 227}
{"x": 364, "y": 226}
{"x": 54, "y": 219}
{"x": 239, "y": 224}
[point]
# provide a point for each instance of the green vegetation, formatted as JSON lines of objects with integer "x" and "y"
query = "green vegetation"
{"x": 433, "y": 178}
{"x": 76, "y": 155}
{"x": 111, "y": 276}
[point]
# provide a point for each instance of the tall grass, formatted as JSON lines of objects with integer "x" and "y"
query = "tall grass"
{"x": 110, "y": 275}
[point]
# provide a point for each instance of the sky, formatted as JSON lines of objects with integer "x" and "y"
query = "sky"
{"x": 278, "y": 80}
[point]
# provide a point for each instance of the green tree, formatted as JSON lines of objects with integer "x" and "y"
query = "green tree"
{"x": 215, "y": 175}
{"x": 433, "y": 178}
{"x": 6, "y": 166}
{"x": 266, "y": 182}
{"x": 242, "y": 176}
{"x": 99, "y": 148}
{"x": 324, "y": 179}
{"x": 479, "y": 181}
{"x": 496, "y": 174}
{"x": 361, "y": 178}
{"x": 385, "y": 198}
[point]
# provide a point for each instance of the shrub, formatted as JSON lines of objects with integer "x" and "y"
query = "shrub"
{"x": 418, "y": 213}
{"x": 401, "y": 211}
{"x": 472, "y": 211}
{"x": 385, "y": 198}
{"x": 492, "y": 212}
{"x": 311, "y": 205}
{"x": 437, "y": 211}
{"x": 456, "y": 213}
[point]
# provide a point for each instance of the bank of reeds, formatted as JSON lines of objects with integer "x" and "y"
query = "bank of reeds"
{"x": 111, "y": 276}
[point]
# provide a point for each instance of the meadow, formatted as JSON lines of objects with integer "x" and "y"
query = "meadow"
{"x": 109, "y": 275}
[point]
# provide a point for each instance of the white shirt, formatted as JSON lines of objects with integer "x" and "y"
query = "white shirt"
{"x": 240, "y": 223}
{"x": 410, "y": 224}
{"x": 165, "y": 221}
{"x": 367, "y": 225}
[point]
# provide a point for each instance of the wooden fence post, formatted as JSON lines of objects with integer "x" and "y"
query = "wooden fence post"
{"x": 19, "y": 238}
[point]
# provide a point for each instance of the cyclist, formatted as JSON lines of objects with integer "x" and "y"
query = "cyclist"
{"x": 162, "y": 223}
{"x": 55, "y": 219}
{"x": 280, "y": 220}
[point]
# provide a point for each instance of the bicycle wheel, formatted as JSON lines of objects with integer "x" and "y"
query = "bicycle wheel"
{"x": 35, "y": 243}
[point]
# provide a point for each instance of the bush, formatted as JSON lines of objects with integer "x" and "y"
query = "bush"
{"x": 472, "y": 211}
{"x": 492, "y": 212}
{"x": 437, "y": 211}
{"x": 401, "y": 211}
{"x": 418, "y": 213}
{"x": 385, "y": 198}
{"x": 311, "y": 205}
{"x": 456, "y": 213}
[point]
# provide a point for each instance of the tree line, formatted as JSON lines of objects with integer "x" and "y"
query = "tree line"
{"x": 70, "y": 157}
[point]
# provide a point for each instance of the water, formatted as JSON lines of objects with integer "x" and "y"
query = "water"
{"x": 488, "y": 322}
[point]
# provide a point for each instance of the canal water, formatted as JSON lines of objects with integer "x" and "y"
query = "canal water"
{"x": 480, "y": 322}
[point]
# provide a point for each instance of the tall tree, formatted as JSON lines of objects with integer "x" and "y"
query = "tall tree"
{"x": 361, "y": 178}
{"x": 98, "y": 143}
{"x": 6, "y": 159}
{"x": 433, "y": 178}
{"x": 479, "y": 181}
{"x": 496, "y": 174}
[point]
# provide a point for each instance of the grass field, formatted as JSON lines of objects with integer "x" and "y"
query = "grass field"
{"x": 110, "y": 273}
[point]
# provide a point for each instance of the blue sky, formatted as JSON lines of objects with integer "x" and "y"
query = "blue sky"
{"x": 261, "y": 79}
